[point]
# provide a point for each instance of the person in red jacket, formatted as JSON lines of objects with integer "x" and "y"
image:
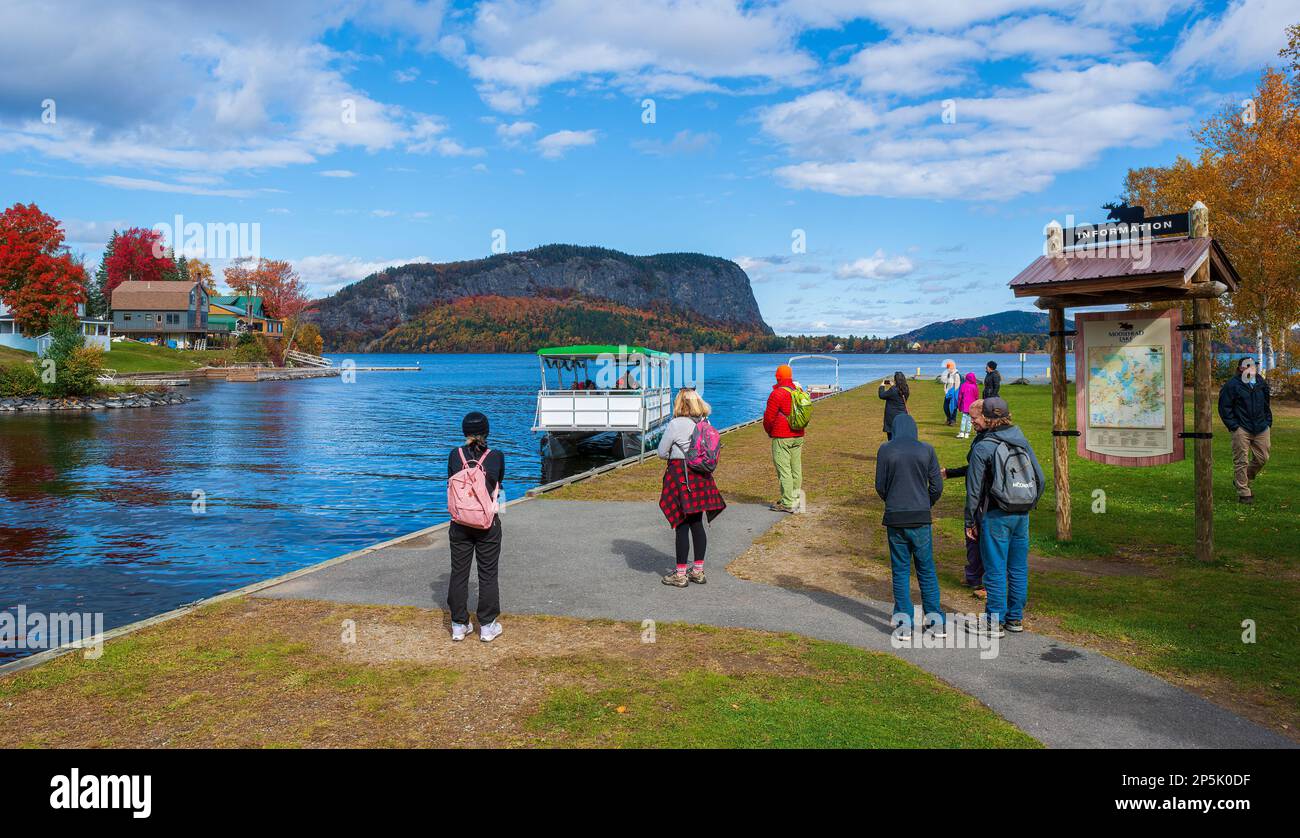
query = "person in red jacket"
{"x": 787, "y": 443}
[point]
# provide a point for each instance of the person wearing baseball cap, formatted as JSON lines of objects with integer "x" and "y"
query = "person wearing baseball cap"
{"x": 1001, "y": 463}
{"x": 787, "y": 442}
{"x": 472, "y": 545}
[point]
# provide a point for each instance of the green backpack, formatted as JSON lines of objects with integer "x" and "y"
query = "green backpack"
{"x": 801, "y": 406}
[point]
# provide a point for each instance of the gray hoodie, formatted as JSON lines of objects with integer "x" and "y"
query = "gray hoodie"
{"x": 908, "y": 477}
{"x": 980, "y": 469}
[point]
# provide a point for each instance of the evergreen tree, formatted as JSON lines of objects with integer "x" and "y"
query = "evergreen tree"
{"x": 98, "y": 305}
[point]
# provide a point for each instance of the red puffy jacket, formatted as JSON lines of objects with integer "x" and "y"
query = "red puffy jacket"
{"x": 775, "y": 417}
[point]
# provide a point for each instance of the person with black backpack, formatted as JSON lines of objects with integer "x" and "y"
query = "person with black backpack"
{"x": 691, "y": 446}
{"x": 1003, "y": 482}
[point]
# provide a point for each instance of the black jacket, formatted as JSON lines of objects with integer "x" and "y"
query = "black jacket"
{"x": 1243, "y": 406}
{"x": 908, "y": 478}
{"x": 895, "y": 404}
{"x": 992, "y": 384}
{"x": 494, "y": 465}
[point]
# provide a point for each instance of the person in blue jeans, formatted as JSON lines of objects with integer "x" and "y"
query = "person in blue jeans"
{"x": 910, "y": 482}
{"x": 1003, "y": 534}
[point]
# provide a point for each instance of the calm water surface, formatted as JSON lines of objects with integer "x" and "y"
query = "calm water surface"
{"x": 97, "y": 510}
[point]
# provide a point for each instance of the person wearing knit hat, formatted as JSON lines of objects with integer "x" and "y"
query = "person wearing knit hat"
{"x": 472, "y": 544}
{"x": 787, "y": 442}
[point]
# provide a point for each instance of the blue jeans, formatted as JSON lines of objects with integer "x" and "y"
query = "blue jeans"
{"x": 1004, "y": 547}
{"x": 965, "y": 423}
{"x": 908, "y": 546}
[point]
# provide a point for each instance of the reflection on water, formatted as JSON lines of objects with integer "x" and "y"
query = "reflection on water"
{"x": 100, "y": 511}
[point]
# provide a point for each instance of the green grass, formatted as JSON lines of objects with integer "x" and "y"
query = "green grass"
{"x": 1183, "y": 619}
{"x": 133, "y": 357}
{"x": 850, "y": 699}
{"x": 9, "y": 355}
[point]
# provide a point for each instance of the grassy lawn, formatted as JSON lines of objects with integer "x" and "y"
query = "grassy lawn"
{"x": 272, "y": 673}
{"x": 1127, "y": 585}
{"x": 9, "y": 355}
{"x": 133, "y": 357}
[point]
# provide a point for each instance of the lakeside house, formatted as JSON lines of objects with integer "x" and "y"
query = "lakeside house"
{"x": 229, "y": 315}
{"x": 170, "y": 313}
{"x": 98, "y": 332}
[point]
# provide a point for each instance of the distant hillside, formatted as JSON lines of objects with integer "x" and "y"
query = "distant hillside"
{"x": 494, "y": 323}
{"x": 692, "y": 284}
{"x": 1002, "y": 323}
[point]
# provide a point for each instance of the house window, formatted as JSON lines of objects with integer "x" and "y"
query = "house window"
{"x": 6, "y": 327}
{"x": 126, "y": 318}
{"x": 173, "y": 319}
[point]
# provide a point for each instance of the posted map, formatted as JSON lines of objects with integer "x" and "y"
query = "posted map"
{"x": 1127, "y": 387}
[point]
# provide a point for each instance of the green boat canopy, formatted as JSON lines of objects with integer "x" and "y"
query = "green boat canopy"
{"x": 592, "y": 350}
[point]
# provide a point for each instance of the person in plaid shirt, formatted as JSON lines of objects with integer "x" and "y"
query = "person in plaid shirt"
{"x": 688, "y": 496}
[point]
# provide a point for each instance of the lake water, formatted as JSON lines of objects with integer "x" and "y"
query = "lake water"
{"x": 97, "y": 510}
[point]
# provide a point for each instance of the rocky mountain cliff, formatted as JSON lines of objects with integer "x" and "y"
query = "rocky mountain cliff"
{"x": 713, "y": 288}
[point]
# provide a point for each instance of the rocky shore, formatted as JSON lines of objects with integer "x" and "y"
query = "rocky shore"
{"x": 110, "y": 402}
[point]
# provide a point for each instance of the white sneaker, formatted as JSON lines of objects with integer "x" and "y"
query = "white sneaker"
{"x": 460, "y": 630}
{"x": 489, "y": 632}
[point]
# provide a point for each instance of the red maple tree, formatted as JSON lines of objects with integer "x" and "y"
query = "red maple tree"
{"x": 139, "y": 255}
{"x": 38, "y": 277}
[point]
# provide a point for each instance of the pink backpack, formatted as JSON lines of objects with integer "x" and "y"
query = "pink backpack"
{"x": 705, "y": 447}
{"x": 468, "y": 499}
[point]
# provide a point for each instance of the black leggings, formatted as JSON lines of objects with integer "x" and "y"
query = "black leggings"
{"x": 691, "y": 529}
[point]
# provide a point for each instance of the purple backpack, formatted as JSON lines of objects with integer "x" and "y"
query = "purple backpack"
{"x": 705, "y": 446}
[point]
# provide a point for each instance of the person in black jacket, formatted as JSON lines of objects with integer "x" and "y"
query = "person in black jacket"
{"x": 469, "y": 544}
{"x": 895, "y": 393}
{"x": 1245, "y": 411}
{"x": 992, "y": 380}
{"x": 909, "y": 481}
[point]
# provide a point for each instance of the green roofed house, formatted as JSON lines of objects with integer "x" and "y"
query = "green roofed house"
{"x": 230, "y": 315}
{"x": 598, "y": 392}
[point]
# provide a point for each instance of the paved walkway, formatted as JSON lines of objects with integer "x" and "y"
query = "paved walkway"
{"x": 604, "y": 559}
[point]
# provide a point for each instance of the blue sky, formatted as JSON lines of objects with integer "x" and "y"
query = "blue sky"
{"x": 527, "y": 117}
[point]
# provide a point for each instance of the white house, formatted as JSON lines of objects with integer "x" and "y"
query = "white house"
{"x": 98, "y": 332}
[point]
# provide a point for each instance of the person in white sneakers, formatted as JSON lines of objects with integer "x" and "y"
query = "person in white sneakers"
{"x": 469, "y": 543}
{"x": 967, "y": 396}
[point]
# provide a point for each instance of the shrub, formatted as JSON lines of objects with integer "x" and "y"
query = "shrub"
{"x": 1283, "y": 385}
{"x": 20, "y": 380}
{"x": 250, "y": 351}
{"x": 79, "y": 373}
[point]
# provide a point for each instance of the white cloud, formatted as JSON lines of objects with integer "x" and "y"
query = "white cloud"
{"x": 876, "y": 266}
{"x": 383, "y": 213}
{"x": 328, "y": 272}
{"x": 339, "y": 173}
{"x": 512, "y": 133}
{"x": 683, "y": 142}
{"x": 1000, "y": 146}
{"x": 556, "y": 145}
{"x": 1245, "y": 37}
{"x": 148, "y": 185}
{"x": 515, "y": 48}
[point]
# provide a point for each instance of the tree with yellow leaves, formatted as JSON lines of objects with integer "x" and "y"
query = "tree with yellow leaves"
{"x": 1248, "y": 174}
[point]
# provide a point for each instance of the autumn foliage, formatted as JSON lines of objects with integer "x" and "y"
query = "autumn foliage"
{"x": 38, "y": 277}
{"x": 137, "y": 255}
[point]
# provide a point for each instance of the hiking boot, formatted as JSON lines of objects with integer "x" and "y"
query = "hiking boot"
{"x": 696, "y": 576}
{"x": 937, "y": 630}
{"x": 1245, "y": 498}
{"x": 677, "y": 580}
{"x": 1013, "y": 626}
{"x": 979, "y": 592}
{"x": 490, "y": 632}
{"x": 459, "y": 630}
{"x": 780, "y": 507}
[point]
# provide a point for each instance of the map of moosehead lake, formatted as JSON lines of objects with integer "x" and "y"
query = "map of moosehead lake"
{"x": 1126, "y": 387}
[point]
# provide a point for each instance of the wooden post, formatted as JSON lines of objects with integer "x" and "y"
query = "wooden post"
{"x": 1060, "y": 444}
{"x": 1201, "y": 383}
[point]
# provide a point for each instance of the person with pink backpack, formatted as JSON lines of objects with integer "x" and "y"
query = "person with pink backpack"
{"x": 474, "y": 475}
{"x": 691, "y": 445}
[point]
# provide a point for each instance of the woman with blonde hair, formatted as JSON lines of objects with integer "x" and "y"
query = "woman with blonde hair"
{"x": 689, "y": 494}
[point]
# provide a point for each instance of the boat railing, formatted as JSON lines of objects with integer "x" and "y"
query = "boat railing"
{"x": 602, "y": 410}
